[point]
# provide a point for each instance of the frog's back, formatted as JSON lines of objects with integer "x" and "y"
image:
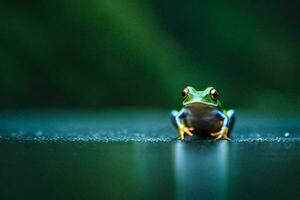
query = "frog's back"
{"x": 202, "y": 118}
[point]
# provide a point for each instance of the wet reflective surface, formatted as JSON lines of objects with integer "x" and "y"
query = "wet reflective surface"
{"x": 110, "y": 156}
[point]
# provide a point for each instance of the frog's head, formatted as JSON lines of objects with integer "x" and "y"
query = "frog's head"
{"x": 209, "y": 96}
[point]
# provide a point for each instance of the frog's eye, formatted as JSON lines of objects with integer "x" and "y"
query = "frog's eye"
{"x": 185, "y": 93}
{"x": 214, "y": 94}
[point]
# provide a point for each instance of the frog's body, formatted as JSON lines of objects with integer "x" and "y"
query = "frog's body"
{"x": 203, "y": 114}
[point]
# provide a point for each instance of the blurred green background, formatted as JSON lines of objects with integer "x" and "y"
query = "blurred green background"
{"x": 111, "y": 53}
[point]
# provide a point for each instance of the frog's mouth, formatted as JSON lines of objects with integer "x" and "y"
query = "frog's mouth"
{"x": 200, "y": 103}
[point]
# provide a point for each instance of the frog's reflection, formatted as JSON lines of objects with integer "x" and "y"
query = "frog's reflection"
{"x": 201, "y": 168}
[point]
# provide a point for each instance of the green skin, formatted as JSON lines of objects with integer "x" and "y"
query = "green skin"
{"x": 203, "y": 115}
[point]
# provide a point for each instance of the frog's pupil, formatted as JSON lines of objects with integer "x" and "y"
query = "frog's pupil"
{"x": 214, "y": 94}
{"x": 184, "y": 93}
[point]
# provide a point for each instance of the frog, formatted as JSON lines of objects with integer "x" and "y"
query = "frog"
{"x": 203, "y": 114}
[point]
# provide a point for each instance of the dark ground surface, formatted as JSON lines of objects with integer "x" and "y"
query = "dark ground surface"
{"x": 133, "y": 155}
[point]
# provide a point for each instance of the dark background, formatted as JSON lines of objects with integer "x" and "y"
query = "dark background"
{"x": 111, "y": 53}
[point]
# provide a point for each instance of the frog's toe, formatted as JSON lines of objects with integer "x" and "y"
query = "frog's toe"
{"x": 182, "y": 131}
{"x": 217, "y": 135}
{"x": 221, "y": 134}
{"x": 188, "y": 132}
{"x": 226, "y": 137}
{"x": 225, "y": 134}
{"x": 180, "y": 137}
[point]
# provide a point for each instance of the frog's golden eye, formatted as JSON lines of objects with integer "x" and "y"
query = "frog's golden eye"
{"x": 185, "y": 93}
{"x": 214, "y": 94}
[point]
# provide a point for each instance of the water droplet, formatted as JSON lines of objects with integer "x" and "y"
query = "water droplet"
{"x": 287, "y": 134}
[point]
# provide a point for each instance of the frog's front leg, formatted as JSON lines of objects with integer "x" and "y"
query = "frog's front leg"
{"x": 177, "y": 120}
{"x": 228, "y": 120}
{"x": 231, "y": 115}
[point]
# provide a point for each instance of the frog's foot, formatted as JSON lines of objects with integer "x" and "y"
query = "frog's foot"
{"x": 184, "y": 130}
{"x": 223, "y": 133}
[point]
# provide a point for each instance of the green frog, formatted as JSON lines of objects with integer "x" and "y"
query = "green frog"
{"x": 203, "y": 114}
